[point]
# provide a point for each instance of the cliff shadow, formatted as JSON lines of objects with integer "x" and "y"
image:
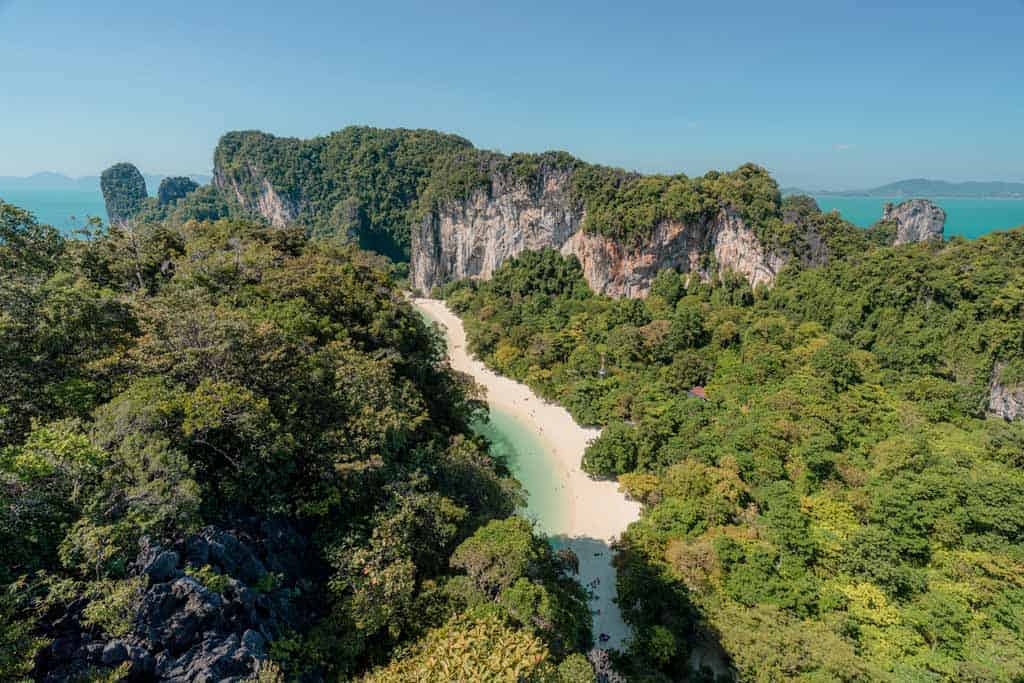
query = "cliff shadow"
{"x": 597, "y": 575}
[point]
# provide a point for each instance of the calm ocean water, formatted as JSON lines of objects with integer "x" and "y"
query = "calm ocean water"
{"x": 63, "y": 209}
{"x": 533, "y": 465}
{"x": 68, "y": 209}
{"x": 967, "y": 217}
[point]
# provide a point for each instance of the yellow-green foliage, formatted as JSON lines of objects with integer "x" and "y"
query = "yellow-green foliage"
{"x": 115, "y": 604}
{"x": 840, "y": 508}
{"x": 267, "y": 672}
{"x": 209, "y": 578}
{"x": 471, "y": 650}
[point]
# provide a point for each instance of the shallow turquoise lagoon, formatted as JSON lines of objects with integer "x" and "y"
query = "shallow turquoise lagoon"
{"x": 533, "y": 465}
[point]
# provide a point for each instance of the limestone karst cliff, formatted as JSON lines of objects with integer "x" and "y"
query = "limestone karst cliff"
{"x": 917, "y": 220}
{"x": 455, "y": 212}
{"x": 473, "y": 236}
{"x": 124, "y": 192}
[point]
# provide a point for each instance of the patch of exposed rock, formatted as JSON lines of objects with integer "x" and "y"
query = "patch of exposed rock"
{"x": 621, "y": 270}
{"x": 472, "y": 238}
{"x": 185, "y": 631}
{"x": 917, "y": 220}
{"x": 256, "y": 194}
{"x": 1005, "y": 401}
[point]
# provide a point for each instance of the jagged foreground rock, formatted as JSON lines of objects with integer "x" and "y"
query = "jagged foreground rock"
{"x": 185, "y": 631}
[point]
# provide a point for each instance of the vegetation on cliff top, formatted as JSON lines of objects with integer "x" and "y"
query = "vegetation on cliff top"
{"x": 841, "y": 508}
{"x": 375, "y": 183}
{"x": 360, "y": 181}
{"x": 175, "y": 188}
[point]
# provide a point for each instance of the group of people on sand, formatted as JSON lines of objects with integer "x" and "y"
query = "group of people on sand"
{"x": 592, "y": 585}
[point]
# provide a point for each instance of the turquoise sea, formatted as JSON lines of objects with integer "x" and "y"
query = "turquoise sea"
{"x": 63, "y": 209}
{"x": 969, "y": 218}
{"x": 533, "y": 465}
{"x": 68, "y": 209}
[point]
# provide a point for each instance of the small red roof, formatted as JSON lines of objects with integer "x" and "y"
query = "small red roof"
{"x": 698, "y": 392}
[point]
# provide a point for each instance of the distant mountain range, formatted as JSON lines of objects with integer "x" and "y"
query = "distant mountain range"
{"x": 57, "y": 181}
{"x": 922, "y": 187}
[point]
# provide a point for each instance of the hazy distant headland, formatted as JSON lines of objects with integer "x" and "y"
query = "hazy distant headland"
{"x": 49, "y": 180}
{"x": 922, "y": 187}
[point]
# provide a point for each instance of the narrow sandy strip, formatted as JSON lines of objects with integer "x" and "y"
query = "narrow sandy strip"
{"x": 598, "y": 513}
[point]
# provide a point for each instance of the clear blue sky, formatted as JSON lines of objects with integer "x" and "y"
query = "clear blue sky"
{"x": 825, "y": 93}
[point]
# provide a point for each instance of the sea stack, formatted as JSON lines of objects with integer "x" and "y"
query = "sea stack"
{"x": 917, "y": 220}
{"x": 124, "y": 192}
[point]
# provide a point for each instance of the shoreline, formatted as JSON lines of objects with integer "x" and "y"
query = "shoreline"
{"x": 597, "y": 512}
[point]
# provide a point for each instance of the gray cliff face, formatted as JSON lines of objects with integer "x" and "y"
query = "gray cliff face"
{"x": 265, "y": 201}
{"x": 472, "y": 238}
{"x": 1005, "y": 401}
{"x": 618, "y": 270}
{"x": 917, "y": 220}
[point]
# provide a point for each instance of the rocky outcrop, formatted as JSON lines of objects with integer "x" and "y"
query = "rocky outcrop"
{"x": 173, "y": 189}
{"x": 472, "y": 238}
{"x": 185, "y": 630}
{"x": 256, "y": 194}
{"x": 124, "y": 192}
{"x": 1005, "y": 401}
{"x": 917, "y": 220}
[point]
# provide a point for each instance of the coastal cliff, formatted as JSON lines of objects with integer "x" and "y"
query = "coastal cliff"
{"x": 471, "y": 237}
{"x": 454, "y": 211}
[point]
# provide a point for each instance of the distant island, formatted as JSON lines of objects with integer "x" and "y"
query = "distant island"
{"x": 922, "y": 187}
{"x": 49, "y": 180}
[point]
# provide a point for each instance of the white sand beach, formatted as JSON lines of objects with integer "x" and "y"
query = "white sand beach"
{"x": 598, "y": 513}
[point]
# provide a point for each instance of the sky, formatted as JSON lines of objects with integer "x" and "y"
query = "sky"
{"x": 825, "y": 94}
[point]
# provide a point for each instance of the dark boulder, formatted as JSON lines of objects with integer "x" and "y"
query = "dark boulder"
{"x": 185, "y": 631}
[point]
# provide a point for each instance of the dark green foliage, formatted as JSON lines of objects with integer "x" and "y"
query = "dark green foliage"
{"x": 359, "y": 181}
{"x": 173, "y": 189}
{"x": 55, "y": 328}
{"x": 161, "y": 377}
{"x": 373, "y": 184}
{"x": 124, "y": 192}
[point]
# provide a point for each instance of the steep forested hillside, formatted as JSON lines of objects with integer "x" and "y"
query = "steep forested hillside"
{"x": 840, "y": 507}
{"x": 224, "y": 448}
{"x": 374, "y": 183}
{"x": 360, "y": 181}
